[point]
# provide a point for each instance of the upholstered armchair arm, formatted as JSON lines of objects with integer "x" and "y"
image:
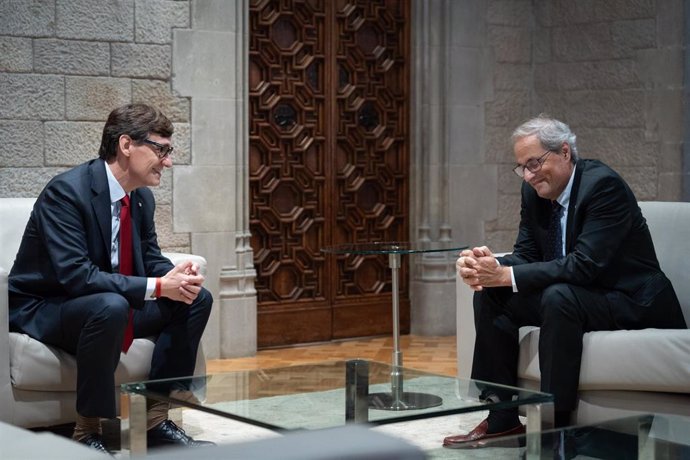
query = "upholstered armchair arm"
{"x": 465, "y": 327}
{"x": 176, "y": 258}
{"x": 5, "y": 382}
{"x": 464, "y": 315}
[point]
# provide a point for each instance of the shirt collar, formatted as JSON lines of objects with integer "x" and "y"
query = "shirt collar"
{"x": 116, "y": 190}
{"x": 564, "y": 198}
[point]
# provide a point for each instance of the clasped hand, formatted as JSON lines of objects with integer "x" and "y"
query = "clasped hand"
{"x": 182, "y": 283}
{"x": 478, "y": 269}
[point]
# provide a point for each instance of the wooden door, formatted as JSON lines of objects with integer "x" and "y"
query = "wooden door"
{"x": 328, "y": 164}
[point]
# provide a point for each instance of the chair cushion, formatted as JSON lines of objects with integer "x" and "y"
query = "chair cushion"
{"x": 14, "y": 213}
{"x": 637, "y": 360}
{"x": 668, "y": 224}
{"x": 39, "y": 367}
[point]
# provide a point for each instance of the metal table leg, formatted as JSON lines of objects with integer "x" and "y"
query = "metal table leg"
{"x": 356, "y": 391}
{"x": 398, "y": 399}
{"x": 133, "y": 424}
{"x": 536, "y": 414}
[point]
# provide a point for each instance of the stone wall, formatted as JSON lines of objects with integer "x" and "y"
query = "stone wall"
{"x": 64, "y": 64}
{"x": 510, "y": 38}
{"x": 612, "y": 70}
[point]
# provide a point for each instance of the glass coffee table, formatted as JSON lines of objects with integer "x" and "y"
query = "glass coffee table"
{"x": 316, "y": 396}
{"x": 396, "y": 398}
{"x": 646, "y": 436}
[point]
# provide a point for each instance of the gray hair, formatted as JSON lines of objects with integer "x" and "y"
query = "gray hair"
{"x": 550, "y": 132}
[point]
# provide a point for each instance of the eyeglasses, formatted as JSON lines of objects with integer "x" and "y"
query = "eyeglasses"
{"x": 162, "y": 150}
{"x": 533, "y": 165}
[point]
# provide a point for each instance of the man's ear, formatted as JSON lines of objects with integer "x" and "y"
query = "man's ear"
{"x": 125, "y": 143}
{"x": 565, "y": 150}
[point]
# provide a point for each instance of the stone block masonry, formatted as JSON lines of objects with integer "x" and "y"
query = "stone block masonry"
{"x": 64, "y": 65}
{"x": 612, "y": 70}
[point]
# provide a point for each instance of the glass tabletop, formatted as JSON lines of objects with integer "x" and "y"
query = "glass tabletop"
{"x": 647, "y": 436}
{"x": 315, "y": 396}
{"x": 393, "y": 247}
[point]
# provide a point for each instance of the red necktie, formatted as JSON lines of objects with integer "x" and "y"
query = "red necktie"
{"x": 126, "y": 262}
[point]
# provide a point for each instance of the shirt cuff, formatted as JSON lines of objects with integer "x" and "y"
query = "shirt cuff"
{"x": 512, "y": 279}
{"x": 150, "y": 288}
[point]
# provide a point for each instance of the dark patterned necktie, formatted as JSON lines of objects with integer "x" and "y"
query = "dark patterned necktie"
{"x": 554, "y": 235}
{"x": 126, "y": 262}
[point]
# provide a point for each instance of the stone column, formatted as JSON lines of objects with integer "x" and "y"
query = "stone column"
{"x": 211, "y": 195}
{"x": 450, "y": 186}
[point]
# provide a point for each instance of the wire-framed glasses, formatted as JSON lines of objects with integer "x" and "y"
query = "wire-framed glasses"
{"x": 533, "y": 165}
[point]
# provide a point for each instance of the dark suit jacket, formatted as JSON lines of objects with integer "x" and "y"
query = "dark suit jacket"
{"x": 65, "y": 250}
{"x": 608, "y": 245}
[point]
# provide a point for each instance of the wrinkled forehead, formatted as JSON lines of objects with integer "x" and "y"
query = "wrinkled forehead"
{"x": 527, "y": 148}
{"x": 160, "y": 139}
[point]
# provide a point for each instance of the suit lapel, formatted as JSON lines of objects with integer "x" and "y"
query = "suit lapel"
{"x": 137, "y": 217}
{"x": 100, "y": 202}
{"x": 572, "y": 207}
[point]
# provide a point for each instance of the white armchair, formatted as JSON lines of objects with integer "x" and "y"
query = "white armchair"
{"x": 38, "y": 382}
{"x": 622, "y": 372}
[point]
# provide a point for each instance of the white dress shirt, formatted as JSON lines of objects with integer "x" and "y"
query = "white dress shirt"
{"x": 564, "y": 200}
{"x": 117, "y": 193}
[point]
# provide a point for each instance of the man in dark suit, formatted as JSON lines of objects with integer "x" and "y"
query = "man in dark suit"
{"x": 583, "y": 261}
{"x": 70, "y": 286}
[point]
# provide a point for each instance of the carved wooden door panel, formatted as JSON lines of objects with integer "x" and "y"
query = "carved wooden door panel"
{"x": 328, "y": 164}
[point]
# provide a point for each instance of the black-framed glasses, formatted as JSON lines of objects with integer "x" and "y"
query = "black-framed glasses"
{"x": 162, "y": 150}
{"x": 533, "y": 165}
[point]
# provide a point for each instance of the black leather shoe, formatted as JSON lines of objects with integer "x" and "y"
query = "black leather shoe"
{"x": 95, "y": 442}
{"x": 168, "y": 434}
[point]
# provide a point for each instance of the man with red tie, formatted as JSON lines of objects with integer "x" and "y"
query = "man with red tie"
{"x": 89, "y": 275}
